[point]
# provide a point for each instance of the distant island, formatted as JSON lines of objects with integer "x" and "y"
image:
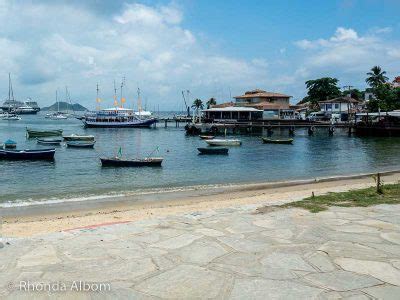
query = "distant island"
{"x": 65, "y": 106}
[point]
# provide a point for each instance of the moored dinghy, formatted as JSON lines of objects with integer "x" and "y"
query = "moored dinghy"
{"x": 280, "y": 141}
{"x": 206, "y": 137}
{"x": 80, "y": 144}
{"x": 77, "y": 137}
{"x": 213, "y": 150}
{"x": 31, "y": 133}
{"x": 49, "y": 141}
{"x": 10, "y": 144}
{"x": 224, "y": 142}
{"x": 138, "y": 162}
{"x": 42, "y": 154}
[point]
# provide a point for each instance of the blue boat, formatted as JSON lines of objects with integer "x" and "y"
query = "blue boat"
{"x": 10, "y": 144}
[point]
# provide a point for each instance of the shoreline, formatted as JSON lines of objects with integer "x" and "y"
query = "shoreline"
{"x": 39, "y": 219}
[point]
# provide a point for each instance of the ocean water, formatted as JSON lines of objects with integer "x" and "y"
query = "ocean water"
{"x": 77, "y": 173}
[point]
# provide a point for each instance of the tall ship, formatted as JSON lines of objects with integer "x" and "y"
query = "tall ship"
{"x": 116, "y": 116}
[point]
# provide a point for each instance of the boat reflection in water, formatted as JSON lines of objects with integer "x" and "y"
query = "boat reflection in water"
{"x": 116, "y": 117}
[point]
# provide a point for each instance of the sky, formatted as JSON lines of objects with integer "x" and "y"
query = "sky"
{"x": 214, "y": 49}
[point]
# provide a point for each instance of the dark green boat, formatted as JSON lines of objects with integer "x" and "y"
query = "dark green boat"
{"x": 30, "y": 133}
{"x": 281, "y": 141}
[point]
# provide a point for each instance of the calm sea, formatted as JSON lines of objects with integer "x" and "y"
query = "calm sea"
{"x": 77, "y": 173}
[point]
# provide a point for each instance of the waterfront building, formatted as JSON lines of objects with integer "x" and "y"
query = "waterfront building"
{"x": 396, "y": 82}
{"x": 232, "y": 113}
{"x": 340, "y": 108}
{"x": 272, "y": 105}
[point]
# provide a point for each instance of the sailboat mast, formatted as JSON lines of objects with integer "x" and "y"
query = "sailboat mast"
{"x": 97, "y": 97}
{"x": 115, "y": 95}
{"x": 139, "y": 102}
{"x": 58, "y": 104}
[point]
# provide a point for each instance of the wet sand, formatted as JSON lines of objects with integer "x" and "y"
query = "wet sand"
{"x": 47, "y": 218}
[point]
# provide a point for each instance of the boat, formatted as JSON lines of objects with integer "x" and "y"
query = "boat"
{"x": 10, "y": 104}
{"x": 80, "y": 144}
{"x": 116, "y": 117}
{"x": 213, "y": 150}
{"x": 76, "y": 137}
{"x": 206, "y": 137}
{"x": 58, "y": 115}
{"x": 54, "y": 141}
{"x": 43, "y": 133}
{"x": 9, "y": 144}
{"x": 42, "y": 154}
{"x": 11, "y": 117}
{"x": 275, "y": 141}
{"x": 139, "y": 162}
{"x": 25, "y": 109}
{"x": 224, "y": 142}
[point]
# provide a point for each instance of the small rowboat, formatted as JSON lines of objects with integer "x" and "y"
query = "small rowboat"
{"x": 49, "y": 141}
{"x": 80, "y": 144}
{"x": 213, "y": 150}
{"x": 139, "y": 162}
{"x": 282, "y": 141}
{"x": 76, "y": 137}
{"x": 223, "y": 142}
{"x": 10, "y": 144}
{"x": 43, "y": 133}
{"x": 206, "y": 137}
{"x": 42, "y": 154}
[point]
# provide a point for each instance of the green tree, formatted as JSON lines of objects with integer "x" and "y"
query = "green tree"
{"x": 376, "y": 77}
{"x": 210, "y": 102}
{"x": 321, "y": 89}
{"x": 197, "y": 104}
{"x": 354, "y": 93}
{"x": 386, "y": 99}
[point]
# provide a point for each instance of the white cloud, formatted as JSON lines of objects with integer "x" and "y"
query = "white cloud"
{"x": 55, "y": 45}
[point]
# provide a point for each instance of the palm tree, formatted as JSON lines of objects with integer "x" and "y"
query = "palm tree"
{"x": 210, "y": 102}
{"x": 197, "y": 104}
{"x": 376, "y": 77}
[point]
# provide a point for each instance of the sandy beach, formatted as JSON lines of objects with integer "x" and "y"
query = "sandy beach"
{"x": 30, "y": 221}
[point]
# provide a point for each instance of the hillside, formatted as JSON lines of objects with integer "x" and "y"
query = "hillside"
{"x": 64, "y": 106}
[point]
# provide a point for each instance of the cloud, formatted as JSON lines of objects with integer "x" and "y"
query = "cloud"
{"x": 349, "y": 52}
{"x": 58, "y": 44}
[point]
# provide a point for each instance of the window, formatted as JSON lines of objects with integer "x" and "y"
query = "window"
{"x": 328, "y": 107}
{"x": 336, "y": 106}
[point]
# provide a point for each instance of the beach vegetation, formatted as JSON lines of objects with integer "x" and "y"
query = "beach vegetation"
{"x": 381, "y": 194}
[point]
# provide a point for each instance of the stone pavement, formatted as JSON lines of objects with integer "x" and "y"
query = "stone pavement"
{"x": 351, "y": 253}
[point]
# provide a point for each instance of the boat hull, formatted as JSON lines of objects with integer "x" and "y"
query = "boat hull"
{"x": 43, "y": 154}
{"x": 37, "y": 133}
{"x": 74, "y": 144}
{"x": 113, "y": 162}
{"x": 215, "y": 142}
{"x": 49, "y": 141}
{"x": 206, "y": 137}
{"x": 378, "y": 131}
{"x": 271, "y": 141}
{"x": 213, "y": 151}
{"x": 133, "y": 124}
{"x": 78, "y": 138}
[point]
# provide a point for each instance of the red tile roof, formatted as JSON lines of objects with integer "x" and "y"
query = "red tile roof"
{"x": 261, "y": 94}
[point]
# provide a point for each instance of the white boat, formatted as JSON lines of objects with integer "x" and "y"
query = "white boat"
{"x": 11, "y": 117}
{"x": 143, "y": 113}
{"x": 58, "y": 116}
{"x": 224, "y": 142}
{"x": 116, "y": 117}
